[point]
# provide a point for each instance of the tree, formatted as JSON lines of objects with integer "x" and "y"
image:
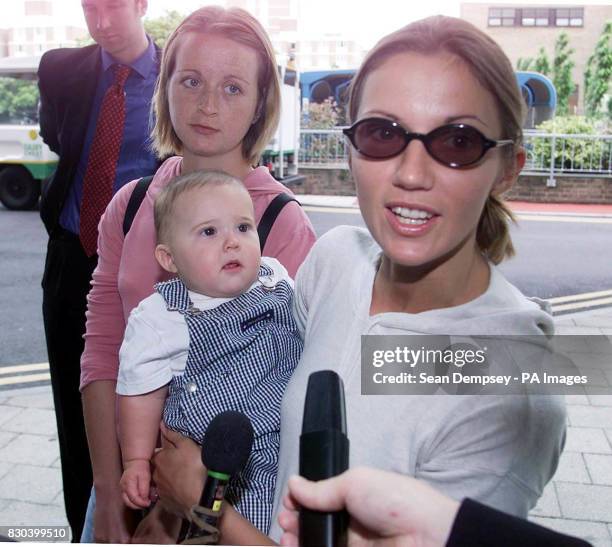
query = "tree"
{"x": 161, "y": 27}
{"x": 598, "y": 73}
{"x": 524, "y": 63}
{"x": 18, "y": 101}
{"x": 322, "y": 115}
{"x": 541, "y": 64}
{"x": 562, "y": 72}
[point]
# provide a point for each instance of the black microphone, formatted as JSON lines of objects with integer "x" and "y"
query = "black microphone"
{"x": 226, "y": 447}
{"x": 324, "y": 453}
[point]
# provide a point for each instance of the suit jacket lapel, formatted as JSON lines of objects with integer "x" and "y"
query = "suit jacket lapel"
{"x": 82, "y": 82}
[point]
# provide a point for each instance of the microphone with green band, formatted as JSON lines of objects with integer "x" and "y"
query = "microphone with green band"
{"x": 225, "y": 450}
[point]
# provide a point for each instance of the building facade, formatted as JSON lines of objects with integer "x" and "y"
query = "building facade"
{"x": 34, "y": 29}
{"x": 298, "y": 45}
{"x": 521, "y": 30}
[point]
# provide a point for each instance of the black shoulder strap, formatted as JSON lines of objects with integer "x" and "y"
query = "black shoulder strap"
{"x": 270, "y": 214}
{"x": 138, "y": 194}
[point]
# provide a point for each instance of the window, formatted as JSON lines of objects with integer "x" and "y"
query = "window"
{"x": 569, "y": 17}
{"x": 502, "y": 17}
{"x": 534, "y": 17}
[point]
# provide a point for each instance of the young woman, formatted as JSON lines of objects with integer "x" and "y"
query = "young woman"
{"x": 216, "y": 106}
{"x": 436, "y": 139}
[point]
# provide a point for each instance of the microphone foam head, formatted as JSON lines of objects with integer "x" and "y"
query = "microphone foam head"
{"x": 227, "y": 442}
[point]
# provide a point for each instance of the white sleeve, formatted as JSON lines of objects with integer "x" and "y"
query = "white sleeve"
{"x": 154, "y": 348}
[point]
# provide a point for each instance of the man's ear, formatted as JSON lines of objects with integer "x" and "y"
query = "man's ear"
{"x": 511, "y": 173}
{"x": 164, "y": 257}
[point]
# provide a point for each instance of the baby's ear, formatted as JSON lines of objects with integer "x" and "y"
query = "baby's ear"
{"x": 164, "y": 257}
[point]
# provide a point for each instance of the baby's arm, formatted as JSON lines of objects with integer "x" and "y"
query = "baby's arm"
{"x": 139, "y": 419}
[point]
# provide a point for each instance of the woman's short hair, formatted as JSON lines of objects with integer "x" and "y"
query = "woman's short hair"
{"x": 240, "y": 26}
{"x": 163, "y": 208}
{"x": 492, "y": 69}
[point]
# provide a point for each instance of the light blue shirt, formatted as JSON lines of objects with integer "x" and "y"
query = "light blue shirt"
{"x": 135, "y": 156}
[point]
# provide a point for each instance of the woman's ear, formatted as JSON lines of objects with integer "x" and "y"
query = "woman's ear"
{"x": 164, "y": 258}
{"x": 258, "y": 112}
{"x": 511, "y": 172}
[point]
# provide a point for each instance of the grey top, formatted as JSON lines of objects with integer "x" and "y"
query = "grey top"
{"x": 499, "y": 450}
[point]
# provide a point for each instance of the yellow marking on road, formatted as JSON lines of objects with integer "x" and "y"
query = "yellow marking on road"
{"x": 520, "y": 216}
{"x": 349, "y": 210}
{"x": 585, "y": 304}
{"x": 29, "y": 378}
{"x": 558, "y": 218}
{"x": 577, "y": 297}
{"x": 23, "y": 368}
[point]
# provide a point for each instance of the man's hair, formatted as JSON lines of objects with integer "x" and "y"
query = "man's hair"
{"x": 240, "y": 26}
{"x": 163, "y": 210}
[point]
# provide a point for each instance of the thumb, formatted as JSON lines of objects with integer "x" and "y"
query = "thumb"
{"x": 169, "y": 438}
{"x": 327, "y": 495}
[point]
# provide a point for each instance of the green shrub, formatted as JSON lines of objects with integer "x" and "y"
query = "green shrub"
{"x": 579, "y": 154}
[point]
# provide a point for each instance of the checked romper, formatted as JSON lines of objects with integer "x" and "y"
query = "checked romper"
{"x": 241, "y": 357}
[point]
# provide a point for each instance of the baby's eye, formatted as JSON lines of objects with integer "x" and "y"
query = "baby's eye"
{"x": 244, "y": 227}
{"x": 233, "y": 89}
{"x": 209, "y": 231}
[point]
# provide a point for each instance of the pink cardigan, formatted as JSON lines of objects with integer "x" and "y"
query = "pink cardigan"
{"x": 127, "y": 269}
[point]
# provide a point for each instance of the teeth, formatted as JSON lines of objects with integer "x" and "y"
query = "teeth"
{"x": 411, "y": 216}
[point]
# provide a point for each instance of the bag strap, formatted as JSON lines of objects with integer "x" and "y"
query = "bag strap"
{"x": 138, "y": 194}
{"x": 269, "y": 216}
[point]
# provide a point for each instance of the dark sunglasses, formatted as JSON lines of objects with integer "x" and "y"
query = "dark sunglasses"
{"x": 455, "y": 145}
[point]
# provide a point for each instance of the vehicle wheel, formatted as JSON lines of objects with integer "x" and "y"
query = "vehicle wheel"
{"x": 18, "y": 189}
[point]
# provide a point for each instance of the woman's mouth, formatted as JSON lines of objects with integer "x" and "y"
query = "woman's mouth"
{"x": 413, "y": 217}
{"x": 204, "y": 129}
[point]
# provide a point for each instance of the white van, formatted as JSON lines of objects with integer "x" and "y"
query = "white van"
{"x": 25, "y": 160}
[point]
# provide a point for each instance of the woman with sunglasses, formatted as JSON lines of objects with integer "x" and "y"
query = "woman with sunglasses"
{"x": 436, "y": 140}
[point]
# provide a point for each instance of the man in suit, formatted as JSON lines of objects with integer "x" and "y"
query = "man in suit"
{"x": 94, "y": 113}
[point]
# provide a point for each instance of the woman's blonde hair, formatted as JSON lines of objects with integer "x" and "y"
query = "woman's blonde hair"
{"x": 493, "y": 70}
{"x": 240, "y": 26}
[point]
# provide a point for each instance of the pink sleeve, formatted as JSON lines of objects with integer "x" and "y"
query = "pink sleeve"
{"x": 291, "y": 238}
{"x": 105, "y": 317}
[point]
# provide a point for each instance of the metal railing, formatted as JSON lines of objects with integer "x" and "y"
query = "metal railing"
{"x": 585, "y": 155}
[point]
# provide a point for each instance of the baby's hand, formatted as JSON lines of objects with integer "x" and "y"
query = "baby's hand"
{"x": 135, "y": 483}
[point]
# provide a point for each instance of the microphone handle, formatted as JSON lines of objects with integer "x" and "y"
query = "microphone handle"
{"x": 323, "y": 454}
{"x": 212, "y": 498}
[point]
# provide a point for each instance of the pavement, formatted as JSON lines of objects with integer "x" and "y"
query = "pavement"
{"x": 577, "y": 501}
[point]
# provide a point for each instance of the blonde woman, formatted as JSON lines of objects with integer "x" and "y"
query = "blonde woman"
{"x": 216, "y": 106}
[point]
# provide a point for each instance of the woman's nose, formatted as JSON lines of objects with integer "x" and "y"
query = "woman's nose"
{"x": 414, "y": 167}
{"x": 208, "y": 102}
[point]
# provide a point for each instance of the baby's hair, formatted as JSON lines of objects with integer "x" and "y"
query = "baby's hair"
{"x": 164, "y": 202}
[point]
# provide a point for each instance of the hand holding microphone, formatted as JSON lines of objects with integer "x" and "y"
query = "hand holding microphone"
{"x": 179, "y": 466}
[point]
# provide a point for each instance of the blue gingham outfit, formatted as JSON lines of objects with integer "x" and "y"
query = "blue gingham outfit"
{"x": 241, "y": 356}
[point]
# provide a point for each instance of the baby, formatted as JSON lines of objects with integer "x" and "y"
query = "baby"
{"x": 220, "y": 336}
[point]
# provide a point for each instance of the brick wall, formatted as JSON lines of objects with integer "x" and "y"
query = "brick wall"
{"x": 326, "y": 182}
{"x": 338, "y": 182}
{"x": 567, "y": 190}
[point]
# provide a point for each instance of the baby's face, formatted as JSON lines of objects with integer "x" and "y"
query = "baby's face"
{"x": 213, "y": 240}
